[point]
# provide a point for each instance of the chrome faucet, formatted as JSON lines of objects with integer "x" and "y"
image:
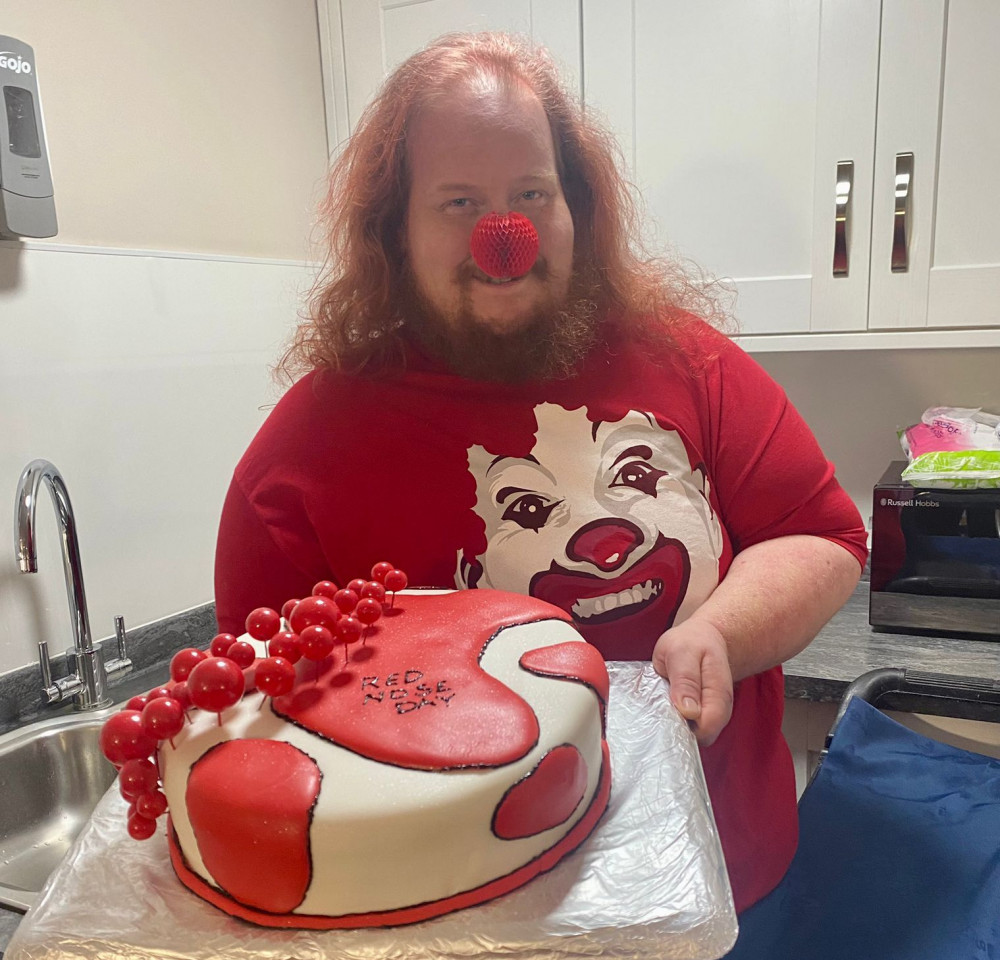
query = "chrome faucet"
{"x": 87, "y": 681}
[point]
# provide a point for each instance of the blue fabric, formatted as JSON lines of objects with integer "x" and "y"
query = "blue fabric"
{"x": 898, "y": 858}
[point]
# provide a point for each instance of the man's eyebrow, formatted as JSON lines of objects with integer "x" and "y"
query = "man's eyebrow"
{"x": 471, "y": 187}
{"x": 496, "y": 460}
{"x": 637, "y": 451}
{"x": 455, "y": 187}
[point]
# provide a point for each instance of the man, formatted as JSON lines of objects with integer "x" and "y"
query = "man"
{"x": 571, "y": 430}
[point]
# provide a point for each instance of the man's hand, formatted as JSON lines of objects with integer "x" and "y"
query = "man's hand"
{"x": 694, "y": 659}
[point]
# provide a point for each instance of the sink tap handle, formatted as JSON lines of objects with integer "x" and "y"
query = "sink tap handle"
{"x": 121, "y": 663}
{"x": 43, "y": 662}
{"x": 62, "y": 688}
{"x": 120, "y": 635}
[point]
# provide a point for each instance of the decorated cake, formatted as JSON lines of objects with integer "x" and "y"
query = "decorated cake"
{"x": 439, "y": 751}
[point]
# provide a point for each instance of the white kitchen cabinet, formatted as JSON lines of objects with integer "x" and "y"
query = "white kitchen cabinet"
{"x": 939, "y": 90}
{"x": 363, "y": 40}
{"x": 718, "y": 108}
{"x": 739, "y": 119}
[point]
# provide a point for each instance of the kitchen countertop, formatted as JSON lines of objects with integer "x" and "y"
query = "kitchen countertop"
{"x": 844, "y": 649}
{"x": 847, "y": 647}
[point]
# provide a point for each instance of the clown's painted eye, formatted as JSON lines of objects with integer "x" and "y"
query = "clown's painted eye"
{"x": 530, "y": 510}
{"x": 639, "y": 475}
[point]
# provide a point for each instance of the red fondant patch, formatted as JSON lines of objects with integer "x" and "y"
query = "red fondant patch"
{"x": 581, "y": 662}
{"x": 415, "y": 695}
{"x": 249, "y": 803}
{"x": 422, "y": 911}
{"x": 545, "y": 798}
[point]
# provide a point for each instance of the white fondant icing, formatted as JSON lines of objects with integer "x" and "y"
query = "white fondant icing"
{"x": 384, "y": 837}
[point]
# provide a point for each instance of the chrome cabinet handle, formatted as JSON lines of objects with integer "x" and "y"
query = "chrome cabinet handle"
{"x": 901, "y": 217}
{"x": 842, "y": 219}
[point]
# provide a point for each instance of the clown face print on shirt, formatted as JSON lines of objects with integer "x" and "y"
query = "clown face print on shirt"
{"x": 608, "y": 520}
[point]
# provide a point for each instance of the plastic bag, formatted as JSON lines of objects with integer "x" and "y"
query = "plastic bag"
{"x": 956, "y": 469}
{"x": 955, "y": 447}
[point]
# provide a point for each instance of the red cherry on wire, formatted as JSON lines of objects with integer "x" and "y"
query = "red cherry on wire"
{"x": 140, "y": 827}
{"x": 357, "y": 585}
{"x": 163, "y": 718}
{"x": 380, "y": 570}
{"x": 263, "y": 623}
{"x": 395, "y": 580}
{"x": 136, "y": 778}
{"x": 137, "y": 703}
{"x": 348, "y": 630}
{"x": 313, "y": 611}
{"x": 220, "y": 644}
{"x": 275, "y": 676}
{"x": 325, "y": 589}
{"x": 374, "y": 590}
{"x": 368, "y": 611}
{"x": 179, "y": 692}
{"x": 183, "y": 662}
{"x": 241, "y": 653}
{"x": 286, "y": 645}
{"x": 317, "y": 642}
{"x": 123, "y": 737}
{"x": 346, "y": 600}
{"x": 215, "y": 684}
{"x": 151, "y": 805}
{"x": 287, "y": 607}
{"x": 157, "y": 692}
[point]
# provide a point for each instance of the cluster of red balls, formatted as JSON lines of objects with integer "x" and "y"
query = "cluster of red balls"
{"x": 316, "y": 624}
{"x": 129, "y": 740}
{"x": 214, "y": 680}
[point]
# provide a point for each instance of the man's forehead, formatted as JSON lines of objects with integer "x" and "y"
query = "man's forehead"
{"x": 452, "y": 124}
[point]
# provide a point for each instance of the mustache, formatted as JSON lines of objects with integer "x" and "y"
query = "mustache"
{"x": 468, "y": 271}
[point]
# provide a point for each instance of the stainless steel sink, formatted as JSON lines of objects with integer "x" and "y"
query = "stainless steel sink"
{"x": 52, "y": 774}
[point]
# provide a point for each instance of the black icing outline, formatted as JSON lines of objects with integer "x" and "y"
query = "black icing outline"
{"x": 310, "y": 816}
{"x": 527, "y": 776}
{"x": 605, "y": 773}
{"x": 570, "y": 679}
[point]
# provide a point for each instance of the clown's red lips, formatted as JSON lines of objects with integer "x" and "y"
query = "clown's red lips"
{"x": 622, "y": 616}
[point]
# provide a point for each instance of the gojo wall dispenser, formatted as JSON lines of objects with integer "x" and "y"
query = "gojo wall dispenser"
{"x": 27, "y": 208}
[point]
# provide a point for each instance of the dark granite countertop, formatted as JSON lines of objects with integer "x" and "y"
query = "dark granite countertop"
{"x": 848, "y": 647}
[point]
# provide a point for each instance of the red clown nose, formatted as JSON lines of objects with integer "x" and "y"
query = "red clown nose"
{"x": 504, "y": 245}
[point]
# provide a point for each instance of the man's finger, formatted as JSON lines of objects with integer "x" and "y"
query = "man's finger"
{"x": 685, "y": 679}
{"x": 716, "y": 699}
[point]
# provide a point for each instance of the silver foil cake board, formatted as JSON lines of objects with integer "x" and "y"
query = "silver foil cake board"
{"x": 650, "y": 882}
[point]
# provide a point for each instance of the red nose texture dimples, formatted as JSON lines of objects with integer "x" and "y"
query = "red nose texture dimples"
{"x": 504, "y": 245}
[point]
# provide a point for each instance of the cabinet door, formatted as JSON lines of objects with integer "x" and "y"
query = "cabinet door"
{"x": 939, "y": 90}
{"x": 366, "y": 39}
{"x": 733, "y": 116}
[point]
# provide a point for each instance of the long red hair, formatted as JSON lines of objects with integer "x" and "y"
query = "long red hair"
{"x": 354, "y": 320}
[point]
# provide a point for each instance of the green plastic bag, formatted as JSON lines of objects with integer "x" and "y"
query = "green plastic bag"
{"x": 956, "y": 469}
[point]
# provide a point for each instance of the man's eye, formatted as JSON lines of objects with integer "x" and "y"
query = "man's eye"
{"x": 530, "y": 511}
{"x": 530, "y": 198}
{"x": 639, "y": 475}
{"x": 458, "y": 203}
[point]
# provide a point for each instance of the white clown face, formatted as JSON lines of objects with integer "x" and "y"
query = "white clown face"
{"x": 606, "y": 520}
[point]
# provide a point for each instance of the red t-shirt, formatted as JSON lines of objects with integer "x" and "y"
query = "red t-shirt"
{"x": 620, "y": 495}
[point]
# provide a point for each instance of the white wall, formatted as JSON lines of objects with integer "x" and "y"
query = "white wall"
{"x": 855, "y": 401}
{"x": 188, "y": 149}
